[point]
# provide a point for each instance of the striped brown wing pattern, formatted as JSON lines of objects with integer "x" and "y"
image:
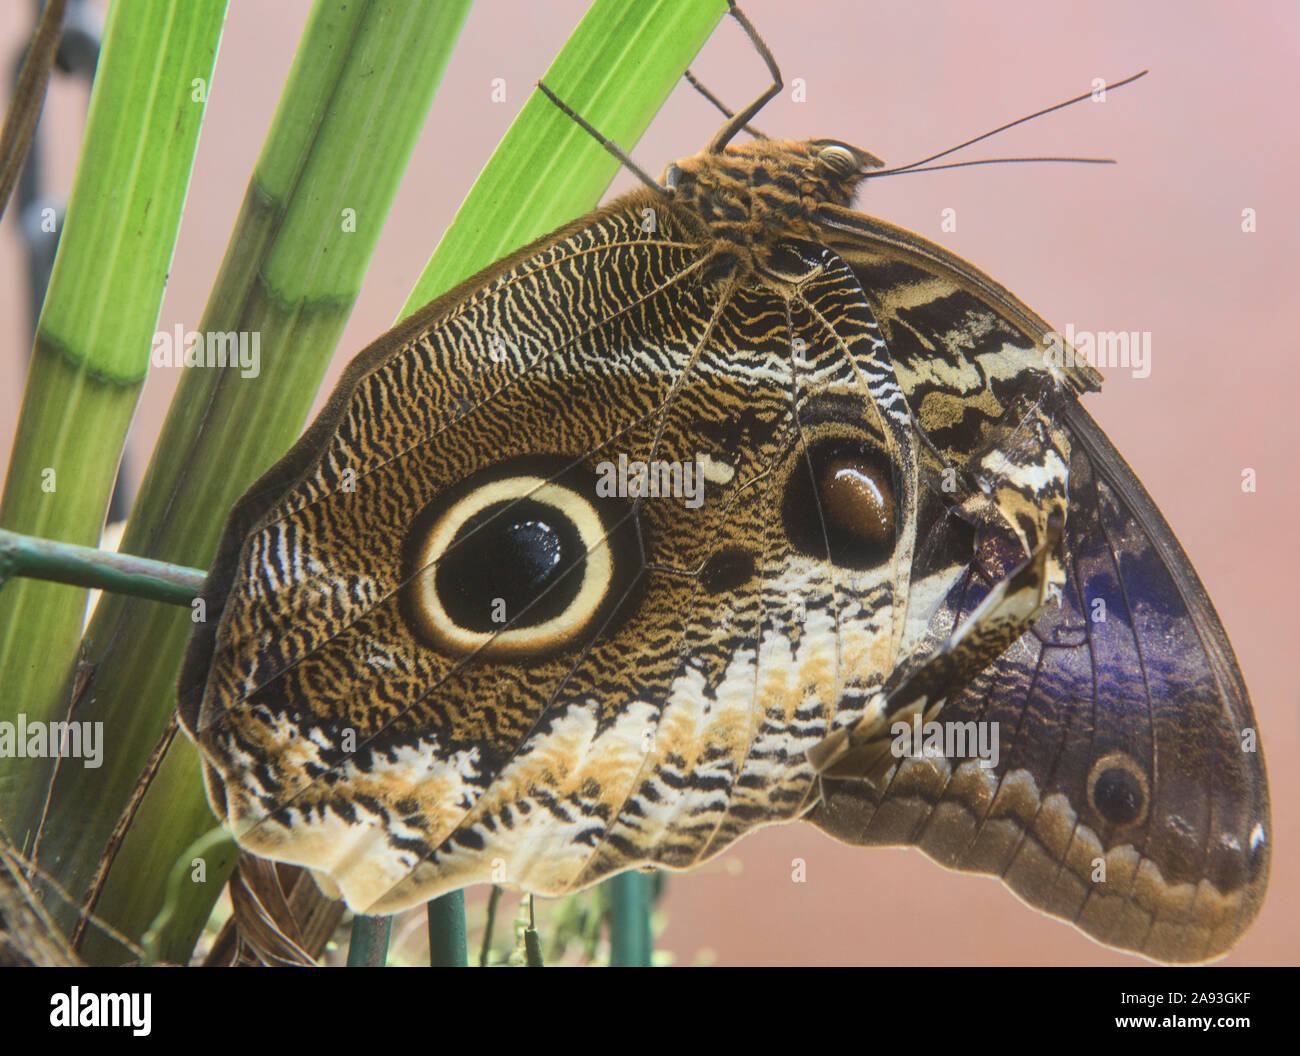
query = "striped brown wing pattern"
{"x": 649, "y": 699}
{"x": 457, "y": 635}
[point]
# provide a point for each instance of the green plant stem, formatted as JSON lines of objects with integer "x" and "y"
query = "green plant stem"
{"x": 485, "y": 951}
{"x": 84, "y": 566}
{"x": 629, "y": 920}
{"x": 212, "y": 844}
{"x": 368, "y": 947}
{"x": 532, "y": 949}
{"x": 447, "y": 944}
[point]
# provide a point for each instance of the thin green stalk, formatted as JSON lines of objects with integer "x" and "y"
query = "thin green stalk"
{"x": 447, "y": 944}
{"x": 212, "y": 844}
{"x": 532, "y": 949}
{"x": 368, "y": 947}
{"x": 630, "y": 944}
{"x": 84, "y": 566}
{"x": 485, "y": 950}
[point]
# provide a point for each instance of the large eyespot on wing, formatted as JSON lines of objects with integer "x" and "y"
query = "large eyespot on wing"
{"x": 1128, "y": 795}
{"x": 521, "y": 561}
{"x": 447, "y": 362}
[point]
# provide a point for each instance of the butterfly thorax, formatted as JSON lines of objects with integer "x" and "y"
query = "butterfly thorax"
{"x": 755, "y": 196}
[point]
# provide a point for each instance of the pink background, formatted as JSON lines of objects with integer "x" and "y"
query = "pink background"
{"x": 1153, "y": 244}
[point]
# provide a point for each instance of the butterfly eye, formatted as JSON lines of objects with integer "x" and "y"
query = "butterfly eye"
{"x": 1117, "y": 789}
{"x": 839, "y": 502}
{"x": 839, "y": 158}
{"x": 514, "y": 564}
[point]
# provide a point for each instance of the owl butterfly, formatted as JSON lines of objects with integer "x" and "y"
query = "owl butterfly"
{"x": 679, "y": 522}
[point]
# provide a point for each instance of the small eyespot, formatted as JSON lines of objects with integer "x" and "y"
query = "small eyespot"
{"x": 729, "y": 568}
{"x": 1118, "y": 789}
{"x": 839, "y": 503}
{"x": 855, "y": 500}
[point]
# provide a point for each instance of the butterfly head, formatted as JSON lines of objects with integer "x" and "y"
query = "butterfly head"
{"x": 753, "y": 196}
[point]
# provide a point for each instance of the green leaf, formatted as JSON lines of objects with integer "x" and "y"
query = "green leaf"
{"x": 616, "y": 70}
{"x": 94, "y": 336}
{"x": 311, "y": 217}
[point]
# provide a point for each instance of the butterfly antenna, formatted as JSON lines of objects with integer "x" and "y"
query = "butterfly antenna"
{"x": 989, "y": 161}
{"x": 698, "y": 85}
{"x": 1012, "y": 124}
{"x": 738, "y": 121}
{"x": 624, "y": 159}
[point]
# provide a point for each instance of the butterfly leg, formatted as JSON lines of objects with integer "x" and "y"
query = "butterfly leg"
{"x": 700, "y": 87}
{"x": 728, "y": 131}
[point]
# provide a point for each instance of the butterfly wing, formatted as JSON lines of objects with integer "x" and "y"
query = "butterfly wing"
{"x": 400, "y": 691}
{"x": 454, "y": 645}
{"x": 1128, "y": 794}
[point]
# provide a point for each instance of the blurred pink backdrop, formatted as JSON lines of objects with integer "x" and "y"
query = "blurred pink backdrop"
{"x": 1153, "y": 244}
